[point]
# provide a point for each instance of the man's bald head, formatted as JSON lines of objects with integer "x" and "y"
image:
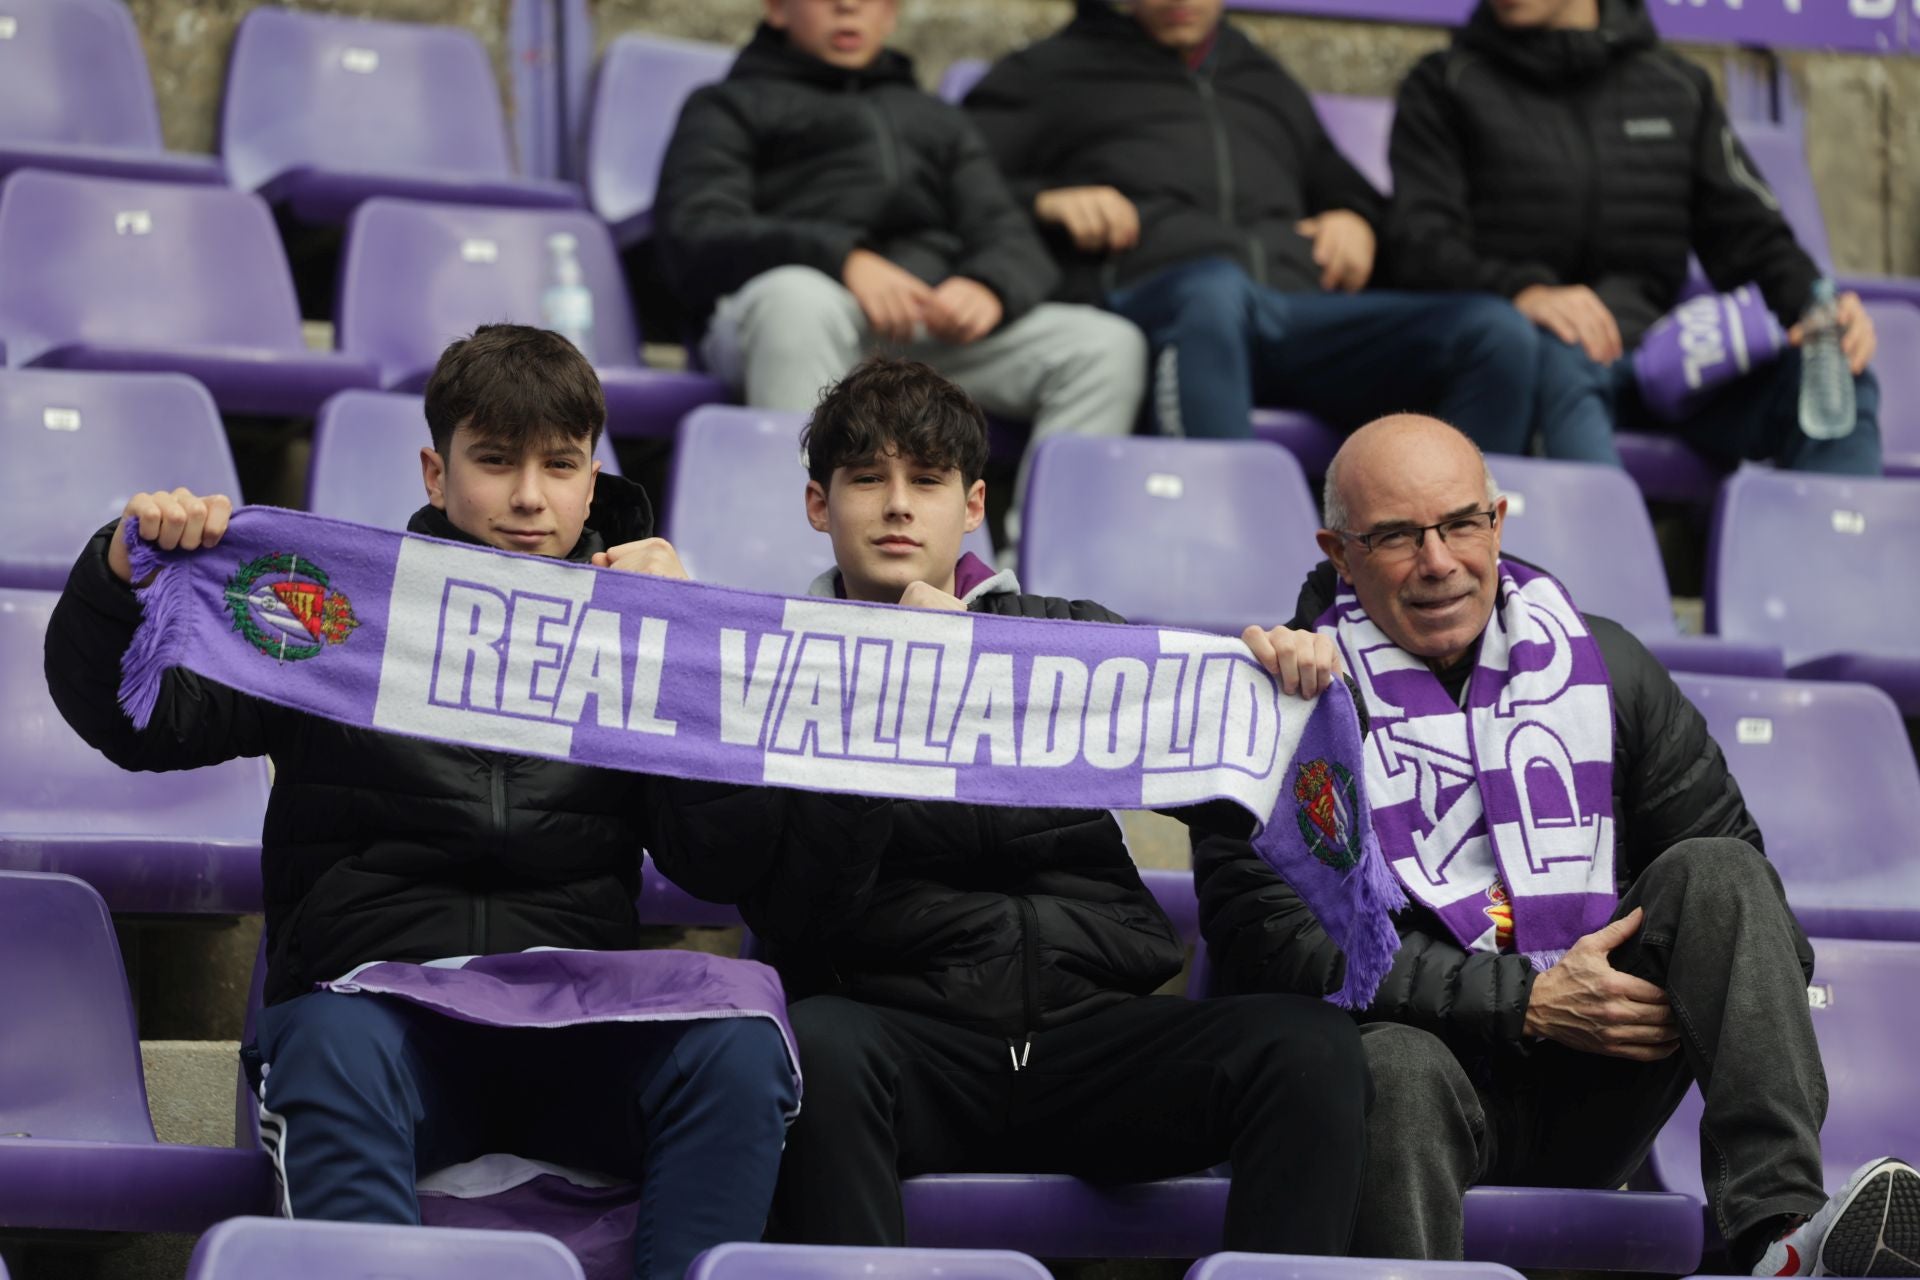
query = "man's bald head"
{"x": 1413, "y": 523}
{"x": 1397, "y": 442}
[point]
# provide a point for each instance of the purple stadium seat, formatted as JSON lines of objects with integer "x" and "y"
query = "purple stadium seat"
{"x": 1862, "y": 998}
{"x": 1824, "y": 567}
{"x": 1209, "y": 534}
{"x": 737, "y": 509}
{"x": 1666, "y": 469}
{"x": 75, "y": 96}
{"x": 248, "y": 1248}
{"x": 144, "y": 276}
{"x": 75, "y": 446}
{"x": 1360, "y": 129}
{"x": 1898, "y": 368}
{"x": 1311, "y": 441}
{"x": 1053, "y": 1216}
{"x": 366, "y": 458}
{"x": 77, "y": 1147}
{"x": 163, "y": 843}
{"x": 957, "y": 81}
{"x": 416, "y": 276}
{"x": 1555, "y": 514}
{"x": 1827, "y": 771}
{"x": 322, "y": 113}
{"x": 843, "y": 1262}
{"x": 1272, "y": 1266}
{"x": 642, "y": 83}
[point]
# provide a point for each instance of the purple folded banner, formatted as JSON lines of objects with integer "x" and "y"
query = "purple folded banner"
{"x": 463, "y": 644}
{"x": 1700, "y": 346}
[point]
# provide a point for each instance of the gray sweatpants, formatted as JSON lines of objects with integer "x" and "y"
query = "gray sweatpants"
{"x": 781, "y": 338}
{"x": 1718, "y": 937}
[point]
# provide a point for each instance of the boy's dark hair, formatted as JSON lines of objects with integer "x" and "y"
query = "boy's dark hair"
{"x": 902, "y": 405}
{"x": 515, "y": 384}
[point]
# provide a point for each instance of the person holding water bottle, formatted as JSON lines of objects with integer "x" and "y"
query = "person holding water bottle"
{"x": 1560, "y": 155}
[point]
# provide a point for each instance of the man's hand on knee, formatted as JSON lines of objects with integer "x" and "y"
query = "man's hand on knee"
{"x": 893, "y": 299}
{"x": 1585, "y": 1003}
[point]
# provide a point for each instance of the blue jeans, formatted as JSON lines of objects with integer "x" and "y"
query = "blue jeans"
{"x": 375, "y": 1092}
{"x": 1220, "y": 343}
{"x": 1754, "y": 418}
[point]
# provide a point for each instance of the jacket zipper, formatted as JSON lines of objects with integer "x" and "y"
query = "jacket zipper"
{"x": 497, "y": 790}
{"x": 1020, "y": 1046}
{"x": 1591, "y": 205}
{"x": 889, "y": 156}
{"x": 1223, "y": 169}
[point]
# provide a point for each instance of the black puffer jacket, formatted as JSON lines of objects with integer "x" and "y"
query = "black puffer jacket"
{"x": 378, "y": 847}
{"x": 1001, "y": 920}
{"x": 1222, "y": 162}
{"x": 1580, "y": 157}
{"x": 1670, "y": 783}
{"x": 793, "y": 161}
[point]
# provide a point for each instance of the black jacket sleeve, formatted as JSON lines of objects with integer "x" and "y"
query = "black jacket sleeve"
{"x": 1000, "y": 247}
{"x": 1330, "y": 180}
{"x": 1430, "y": 231}
{"x": 195, "y": 722}
{"x": 712, "y": 239}
{"x": 1739, "y": 232}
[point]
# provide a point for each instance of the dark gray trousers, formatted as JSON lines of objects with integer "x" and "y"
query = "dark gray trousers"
{"x": 1718, "y": 937}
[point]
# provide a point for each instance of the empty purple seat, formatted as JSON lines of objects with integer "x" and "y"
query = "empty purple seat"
{"x": 1053, "y": 1216}
{"x": 1360, "y": 128}
{"x": 1827, "y": 772}
{"x": 75, "y": 446}
{"x": 75, "y": 96}
{"x": 1273, "y": 1266}
{"x": 737, "y": 510}
{"x": 1555, "y": 510}
{"x": 77, "y": 1147}
{"x": 144, "y": 276}
{"x": 1824, "y": 567}
{"x": 1209, "y": 534}
{"x": 366, "y": 458}
{"x": 1862, "y": 1001}
{"x": 844, "y": 1262}
{"x": 172, "y": 843}
{"x": 637, "y": 96}
{"x": 247, "y": 1248}
{"x": 1898, "y": 368}
{"x": 1311, "y": 441}
{"x": 322, "y": 113}
{"x": 957, "y": 81}
{"x": 417, "y": 276}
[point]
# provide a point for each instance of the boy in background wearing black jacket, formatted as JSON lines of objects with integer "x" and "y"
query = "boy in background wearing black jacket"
{"x": 1184, "y": 181}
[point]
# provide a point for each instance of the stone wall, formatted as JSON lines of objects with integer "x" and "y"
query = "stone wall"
{"x": 1863, "y": 113}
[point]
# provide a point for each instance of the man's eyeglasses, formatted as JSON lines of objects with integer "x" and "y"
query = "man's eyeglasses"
{"x": 1470, "y": 530}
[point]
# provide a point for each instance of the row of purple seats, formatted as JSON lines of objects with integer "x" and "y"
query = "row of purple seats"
{"x": 245, "y": 1248}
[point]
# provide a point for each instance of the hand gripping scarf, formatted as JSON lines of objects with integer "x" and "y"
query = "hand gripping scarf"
{"x": 468, "y": 645}
{"x": 1496, "y": 816}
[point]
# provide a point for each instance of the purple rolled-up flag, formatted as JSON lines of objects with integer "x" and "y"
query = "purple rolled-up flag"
{"x": 1700, "y": 346}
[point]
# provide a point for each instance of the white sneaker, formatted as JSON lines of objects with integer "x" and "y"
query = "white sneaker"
{"x": 1872, "y": 1228}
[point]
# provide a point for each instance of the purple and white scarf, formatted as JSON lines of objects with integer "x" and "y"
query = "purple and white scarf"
{"x": 1502, "y": 810}
{"x": 464, "y": 644}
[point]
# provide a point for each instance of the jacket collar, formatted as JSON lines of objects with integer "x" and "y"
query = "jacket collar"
{"x": 973, "y": 580}
{"x": 1561, "y": 57}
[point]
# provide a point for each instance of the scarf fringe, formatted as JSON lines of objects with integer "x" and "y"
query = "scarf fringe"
{"x": 1370, "y": 953}
{"x": 158, "y": 640}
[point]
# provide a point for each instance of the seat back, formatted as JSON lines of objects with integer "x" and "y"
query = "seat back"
{"x": 1898, "y": 369}
{"x": 61, "y": 787}
{"x": 1212, "y": 534}
{"x": 75, "y": 446}
{"x": 1588, "y": 526}
{"x": 737, "y": 511}
{"x": 139, "y": 263}
{"x": 642, "y": 84}
{"x": 245, "y": 1248}
{"x": 1780, "y": 154}
{"x": 415, "y": 276}
{"x": 1815, "y": 563}
{"x": 845, "y": 1262}
{"x": 960, "y": 77}
{"x": 366, "y": 458}
{"x": 73, "y": 72}
{"x": 1862, "y": 1006}
{"x": 1827, "y": 772}
{"x": 310, "y": 91}
{"x": 1361, "y": 129}
{"x": 1271, "y": 1266}
{"x": 70, "y": 1057}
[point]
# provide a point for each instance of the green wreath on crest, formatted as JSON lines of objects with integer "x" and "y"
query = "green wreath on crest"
{"x": 240, "y": 586}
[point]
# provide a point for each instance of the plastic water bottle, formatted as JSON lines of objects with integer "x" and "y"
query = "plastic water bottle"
{"x": 567, "y": 304}
{"x": 1826, "y": 383}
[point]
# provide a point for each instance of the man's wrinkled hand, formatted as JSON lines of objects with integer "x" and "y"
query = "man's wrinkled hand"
{"x": 920, "y": 595}
{"x": 1575, "y": 315}
{"x": 1305, "y": 662}
{"x": 1097, "y": 219}
{"x": 179, "y": 519}
{"x": 1343, "y": 248}
{"x": 1585, "y": 1003}
{"x": 654, "y": 556}
{"x": 1858, "y": 338}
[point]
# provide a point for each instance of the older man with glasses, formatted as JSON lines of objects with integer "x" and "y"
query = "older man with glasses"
{"x": 1591, "y": 926}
